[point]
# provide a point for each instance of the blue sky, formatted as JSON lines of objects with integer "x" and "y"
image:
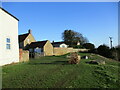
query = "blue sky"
{"x": 96, "y": 21}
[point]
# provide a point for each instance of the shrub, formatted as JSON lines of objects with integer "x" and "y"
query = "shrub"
{"x": 77, "y": 46}
{"x": 104, "y": 51}
{"x": 93, "y": 51}
{"x": 89, "y": 46}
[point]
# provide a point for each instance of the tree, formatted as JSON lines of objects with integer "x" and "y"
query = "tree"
{"x": 89, "y": 46}
{"x": 71, "y": 37}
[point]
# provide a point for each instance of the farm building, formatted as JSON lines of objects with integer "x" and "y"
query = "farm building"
{"x": 9, "y": 48}
{"x": 25, "y": 40}
{"x": 59, "y": 44}
{"x": 43, "y": 48}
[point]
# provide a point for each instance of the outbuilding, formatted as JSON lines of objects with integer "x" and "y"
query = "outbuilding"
{"x": 43, "y": 48}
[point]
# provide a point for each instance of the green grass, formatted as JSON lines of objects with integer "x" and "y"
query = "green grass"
{"x": 55, "y": 72}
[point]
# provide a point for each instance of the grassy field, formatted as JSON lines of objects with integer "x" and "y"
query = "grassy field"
{"x": 55, "y": 72}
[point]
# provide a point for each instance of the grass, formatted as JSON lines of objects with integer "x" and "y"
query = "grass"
{"x": 55, "y": 72}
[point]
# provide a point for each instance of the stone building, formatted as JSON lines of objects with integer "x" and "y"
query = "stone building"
{"x": 25, "y": 40}
{"x": 41, "y": 48}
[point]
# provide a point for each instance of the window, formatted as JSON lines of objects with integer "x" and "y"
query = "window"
{"x": 28, "y": 40}
{"x": 8, "y": 40}
{"x": 8, "y": 46}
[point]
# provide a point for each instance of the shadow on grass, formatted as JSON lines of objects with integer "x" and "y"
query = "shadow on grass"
{"x": 92, "y": 62}
{"x": 54, "y": 63}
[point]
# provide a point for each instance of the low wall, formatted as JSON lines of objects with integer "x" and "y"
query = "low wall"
{"x": 62, "y": 51}
{"x": 23, "y": 55}
{"x": 78, "y": 50}
{"x": 70, "y": 50}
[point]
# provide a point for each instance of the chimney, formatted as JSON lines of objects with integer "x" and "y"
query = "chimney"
{"x": 30, "y": 31}
{"x": 53, "y": 41}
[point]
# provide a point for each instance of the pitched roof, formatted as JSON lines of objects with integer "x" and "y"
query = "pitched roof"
{"x": 9, "y": 13}
{"x": 54, "y": 43}
{"x": 23, "y": 37}
{"x": 39, "y": 44}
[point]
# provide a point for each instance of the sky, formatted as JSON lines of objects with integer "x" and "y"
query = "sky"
{"x": 95, "y": 20}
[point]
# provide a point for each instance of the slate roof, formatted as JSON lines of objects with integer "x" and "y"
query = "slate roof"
{"x": 57, "y": 43}
{"x": 39, "y": 44}
{"x": 22, "y": 37}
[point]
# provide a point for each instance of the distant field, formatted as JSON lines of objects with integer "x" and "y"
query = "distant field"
{"x": 55, "y": 72}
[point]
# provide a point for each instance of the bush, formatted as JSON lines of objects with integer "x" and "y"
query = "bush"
{"x": 104, "y": 51}
{"x": 89, "y": 46}
{"x": 93, "y": 51}
{"x": 77, "y": 46}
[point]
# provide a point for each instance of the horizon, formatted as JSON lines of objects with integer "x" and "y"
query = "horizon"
{"x": 51, "y": 19}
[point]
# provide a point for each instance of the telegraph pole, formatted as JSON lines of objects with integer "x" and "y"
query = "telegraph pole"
{"x": 110, "y": 41}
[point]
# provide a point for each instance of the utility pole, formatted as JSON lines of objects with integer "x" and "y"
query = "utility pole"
{"x": 110, "y": 41}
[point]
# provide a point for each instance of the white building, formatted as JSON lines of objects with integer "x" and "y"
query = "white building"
{"x": 78, "y": 43}
{"x": 9, "y": 50}
{"x": 63, "y": 45}
{"x": 59, "y": 44}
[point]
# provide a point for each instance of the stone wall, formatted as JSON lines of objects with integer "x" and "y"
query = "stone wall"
{"x": 70, "y": 50}
{"x": 78, "y": 50}
{"x": 62, "y": 51}
{"x": 23, "y": 55}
